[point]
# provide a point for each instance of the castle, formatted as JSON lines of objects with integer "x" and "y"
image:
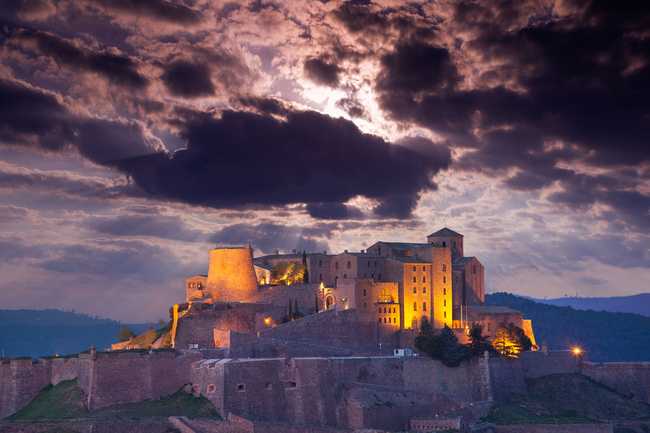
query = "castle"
{"x": 392, "y": 287}
{"x": 344, "y": 365}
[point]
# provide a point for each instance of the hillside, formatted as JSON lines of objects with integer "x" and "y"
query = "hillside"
{"x": 49, "y": 332}
{"x": 567, "y": 399}
{"x": 637, "y": 304}
{"x": 608, "y": 337}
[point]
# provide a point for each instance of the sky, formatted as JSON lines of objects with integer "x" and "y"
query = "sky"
{"x": 136, "y": 135}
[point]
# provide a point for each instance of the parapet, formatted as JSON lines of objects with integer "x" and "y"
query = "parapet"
{"x": 231, "y": 275}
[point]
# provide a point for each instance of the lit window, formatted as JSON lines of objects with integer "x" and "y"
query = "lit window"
{"x": 385, "y": 297}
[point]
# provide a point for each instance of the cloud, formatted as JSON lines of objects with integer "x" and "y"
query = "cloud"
{"x": 322, "y": 72}
{"x": 244, "y": 158}
{"x": 15, "y": 214}
{"x": 269, "y": 237}
{"x": 117, "y": 69}
{"x": 189, "y": 80}
{"x": 160, "y": 226}
{"x": 176, "y": 13}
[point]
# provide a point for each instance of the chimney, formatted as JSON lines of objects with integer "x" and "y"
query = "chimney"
{"x": 361, "y": 251}
{"x": 345, "y": 251}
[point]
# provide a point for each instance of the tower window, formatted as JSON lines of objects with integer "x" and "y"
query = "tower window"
{"x": 444, "y": 303}
{"x": 415, "y": 289}
{"x": 364, "y": 292}
{"x": 415, "y": 280}
{"x": 424, "y": 279}
{"x": 444, "y": 268}
{"x": 380, "y": 320}
{"x": 415, "y": 306}
{"x": 414, "y": 268}
{"x": 336, "y": 265}
{"x": 444, "y": 244}
{"x": 424, "y": 306}
{"x": 424, "y": 290}
{"x": 444, "y": 292}
{"x": 424, "y": 268}
{"x": 349, "y": 265}
{"x": 444, "y": 279}
{"x": 474, "y": 269}
{"x": 384, "y": 320}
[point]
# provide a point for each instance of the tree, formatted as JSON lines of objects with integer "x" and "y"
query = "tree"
{"x": 161, "y": 322}
{"x": 443, "y": 346}
{"x": 125, "y": 334}
{"x": 479, "y": 343}
{"x": 305, "y": 272}
{"x": 426, "y": 341}
{"x": 150, "y": 326}
{"x": 287, "y": 273}
{"x": 510, "y": 340}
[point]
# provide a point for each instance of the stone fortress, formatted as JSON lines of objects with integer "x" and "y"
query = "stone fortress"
{"x": 342, "y": 366}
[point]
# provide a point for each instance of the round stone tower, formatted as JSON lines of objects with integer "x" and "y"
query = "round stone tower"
{"x": 231, "y": 275}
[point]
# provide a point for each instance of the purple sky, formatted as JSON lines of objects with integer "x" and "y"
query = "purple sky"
{"x": 136, "y": 135}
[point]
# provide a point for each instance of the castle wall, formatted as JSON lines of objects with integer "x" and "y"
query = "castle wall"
{"x": 442, "y": 288}
{"x": 231, "y": 275}
{"x": 629, "y": 378}
{"x": 539, "y": 363}
{"x": 474, "y": 287}
{"x": 306, "y": 294}
{"x": 275, "y": 390}
{"x": 506, "y": 378}
{"x": 554, "y": 428}
{"x": 21, "y": 380}
{"x": 197, "y": 325}
{"x": 133, "y": 376}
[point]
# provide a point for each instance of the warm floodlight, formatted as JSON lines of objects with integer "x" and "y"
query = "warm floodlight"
{"x": 576, "y": 350}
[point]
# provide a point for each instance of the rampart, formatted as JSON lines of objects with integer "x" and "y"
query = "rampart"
{"x": 541, "y": 363}
{"x": 306, "y": 296}
{"x": 231, "y": 275}
{"x": 110, "y": 378}
{"x": 554, "y": 428}
{"x": 629, "y": 378}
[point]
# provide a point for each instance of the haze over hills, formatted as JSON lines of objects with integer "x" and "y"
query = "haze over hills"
{"x": 637, "y": 304}
{"x": 606, "y": 336}
{"x": 50, "y": 332}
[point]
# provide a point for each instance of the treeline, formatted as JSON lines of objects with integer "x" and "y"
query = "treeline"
{"x": 607, "y": 337}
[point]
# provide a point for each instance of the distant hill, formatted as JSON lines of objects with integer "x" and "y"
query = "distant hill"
{"x": 608, "y": 337}
{"x": 50, "y": 332}
{"x": 637, "y": 304}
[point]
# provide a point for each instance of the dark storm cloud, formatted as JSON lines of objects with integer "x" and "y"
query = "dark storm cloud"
{"x": 119, "y": 70}
{"x": 322, "y": 72}
{"x": 33, "y": 117}
{"x": 269, "y": 237}
{"x": 244, "y": 158}
{"x": 187, "y": 79}
{"x": 162, "y": 10}
{"x": 160, "y": 226}
{"x": 352, "y": 106}
{"x": 333, "y": 211}
{"x": 15, "y": 249}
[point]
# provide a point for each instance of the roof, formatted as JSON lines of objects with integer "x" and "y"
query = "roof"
{"x": 406, "y": 245}
{"x": 460, "y": 263}
{"x": 409, "y": 260}
{"x": 445, "y": 232}
{"x": 266, "y": 266}
{"x": 485, "y": 309}
{"x": 362, "y": 255}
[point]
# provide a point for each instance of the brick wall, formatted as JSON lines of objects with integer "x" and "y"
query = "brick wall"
{"x": 539, "y": 363}
{"x": 629, "y": 378}
{"x": 20, "y": 382}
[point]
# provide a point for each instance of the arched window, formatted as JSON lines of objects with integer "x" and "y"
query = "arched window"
{"x": 444, "y": 244}
{"x": 380, "y": 309}
{"x": 385, "y": 297}
{"x": 349, "y": 265}
{"x": 444, "y": 292}
{"x": 415, "y": 279}
{"x": 384, "y": 320}
{"x": 211, "y": 388}
{"x": 415, "y": 289}
{"x": 380, "y": 320}
{"x": 414, "y": 323}
{"x": 444, "y": 303}
{"x": 424, "y": 279}
{"x": 413, "y": 268}
{"x": 384, "y": 309}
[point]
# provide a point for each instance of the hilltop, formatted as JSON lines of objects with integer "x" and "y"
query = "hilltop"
{"x": 636, "y": 304}
{"x": 49, "y": 332}
{"x": 608, "y": 337}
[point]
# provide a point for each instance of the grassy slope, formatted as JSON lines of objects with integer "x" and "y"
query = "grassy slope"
{"x": 564, "y": 399}
{"x": 67, "y": 401}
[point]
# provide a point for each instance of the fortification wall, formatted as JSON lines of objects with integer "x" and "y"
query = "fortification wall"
{"x": 132, "y": 376}
{"x": 197, "y": 325}
{"x": 20, "y": 382}
{"x": 305, "y": 294}
{"x": 554, "y": 428}
{"x": 506, "y": 378}
{"x": 629, "y": 378}
{"x": 276, "y": 390}
{"x": 540, "y": 363}
{"x": 334, "y": 328}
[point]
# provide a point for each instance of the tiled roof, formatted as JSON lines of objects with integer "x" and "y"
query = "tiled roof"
{"x": 485, "y": 309}
{"x": 445, "y": 232}
{"x": 460, "y": 263}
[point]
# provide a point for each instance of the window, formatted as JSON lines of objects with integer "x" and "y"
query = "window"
{"x": 444, "y": 268}
{"x": 384, "y": 320}
{"x": 380, "y": 309}
{"x": 320, "y": 277}
{"x": 378, "y": 251}
{"x": 269, "y": 386}
{"x": 380, "y": 320}
{"x": 211, "y": 388}
{"x": 474, "y": 269}
{"x": 424, "y": 306}
{"x": 444, "y": 279}
{"x": 372, "y": 276}
{"x": 454, "y": 244}
{"x": 390, "y": 320}
{"x": 444, "y": 303}
{"x": 336, "y": 265}
{"x": 415, "y": 279}
{"x": 414, "y": 268}
{"x": 444, "y": 292}
{"x": 345, "y": 275}
{"x": 241, "y": 387}
{"x": 320, "y": 263}
{"x": 349, "y": 265}
{"x": 415, "y": 290}
{"x": 365, "y": 305}
{"x": 364, "y": 292}
{"x": 444, "y": 244}
{"x": 415, "y": 306}
{"x": 379, "y": 277}
{"x": 424, "y": 290}
{"x": 375, "y": 264}
{"x": 424, "y": 279}
{"x": 368, "y": 263}
{"x": 290, "y": 384}
{"x": 365, "y": 275}
{"x": 444, "y": 314}
{"x": 424, "y": 268}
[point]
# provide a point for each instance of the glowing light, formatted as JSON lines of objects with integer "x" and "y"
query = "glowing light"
{"x": 267, "y": 321}
{"x": 577, "y": 350}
